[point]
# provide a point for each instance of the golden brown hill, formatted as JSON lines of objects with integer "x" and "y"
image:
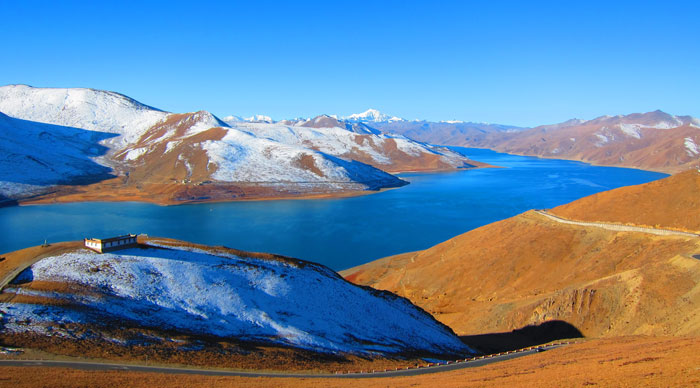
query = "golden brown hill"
{"x": 673, "y": 202}
{"x": 528, "y": 270}
{"x": 531, "y": 269}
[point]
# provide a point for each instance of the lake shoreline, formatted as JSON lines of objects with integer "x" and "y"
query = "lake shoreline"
{"x": 338, "y": 231}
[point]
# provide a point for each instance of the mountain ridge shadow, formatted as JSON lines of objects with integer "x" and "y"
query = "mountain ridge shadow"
{"x": 41, "y": 154}
{"x": 524, "y": 337}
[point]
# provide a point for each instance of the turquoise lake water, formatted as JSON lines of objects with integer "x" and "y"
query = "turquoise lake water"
{"x": 339, "y": 233}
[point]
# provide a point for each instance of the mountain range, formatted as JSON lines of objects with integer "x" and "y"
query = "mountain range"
{"x": 86, "y": 144}
{"x": 99, "y": 145}
{"x": 655, "y": 141}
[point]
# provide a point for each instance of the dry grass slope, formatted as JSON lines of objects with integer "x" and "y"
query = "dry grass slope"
{"x": 528, "y": 270}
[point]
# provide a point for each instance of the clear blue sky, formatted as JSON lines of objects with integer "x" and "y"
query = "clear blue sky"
{"x": 521, "y": 62}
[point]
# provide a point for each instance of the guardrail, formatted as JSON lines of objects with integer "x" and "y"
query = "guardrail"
{"x": 459, "y": 361}
{"x": 363, "y": 372}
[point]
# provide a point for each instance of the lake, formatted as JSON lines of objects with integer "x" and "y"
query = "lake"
{"x": 339, "y": 233}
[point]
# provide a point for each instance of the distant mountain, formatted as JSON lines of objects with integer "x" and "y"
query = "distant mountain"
{"x": 372, "y": 115}
{"x": 455, "y": 133}
{"x": 192, "y": 299}
{"x": 358, "y": 141}
{"x": 653, "y": 141}
{"x": 452, "y": 132}
{"x": 161, "y": 156}
{"x": 533, "y": 270}
{"x": 252, "y": 119}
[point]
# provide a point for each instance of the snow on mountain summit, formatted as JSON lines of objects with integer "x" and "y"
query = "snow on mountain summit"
{"x": 372, "y": 115}
{"x": 89, "y": 109}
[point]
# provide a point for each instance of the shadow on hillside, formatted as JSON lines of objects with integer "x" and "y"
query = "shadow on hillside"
{"x": 696, "y": 257}
{"x": 53, "y": 154}
{"x": 7, "y": 202}
{"x": 523, "y": 337}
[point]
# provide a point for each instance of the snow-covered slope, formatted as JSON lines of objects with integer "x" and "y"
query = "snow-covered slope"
{"x": 89, "y": 109}
{"x": 192, "y": 291}
{"x": 34, "y": 156}
{"x": 357, "y": 141}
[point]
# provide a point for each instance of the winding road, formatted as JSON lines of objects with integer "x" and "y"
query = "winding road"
{"x": 409, "y": 371}
{"x": 617, "y": 227}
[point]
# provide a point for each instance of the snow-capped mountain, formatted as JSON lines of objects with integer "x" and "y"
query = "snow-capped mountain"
{"x": 152, "y": 147}
{"x": 358, "y": 141}
{"x": 252, "y": 119}
{"x": 372, "y": 115}
{"x": 171, "y": 290}
{"x": 232, "y": 119}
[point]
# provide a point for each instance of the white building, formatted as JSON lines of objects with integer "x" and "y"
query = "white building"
{"x": 112, "y": 243}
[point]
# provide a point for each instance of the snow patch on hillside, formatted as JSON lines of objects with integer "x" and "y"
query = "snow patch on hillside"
{"x": 691, "y": 147}
{"x": 632, "y": 130}
{"x": 189, "y": 291}
{"x": 602, "y": 140}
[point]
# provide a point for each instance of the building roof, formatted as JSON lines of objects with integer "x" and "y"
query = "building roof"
{"x": 110, "y": 239}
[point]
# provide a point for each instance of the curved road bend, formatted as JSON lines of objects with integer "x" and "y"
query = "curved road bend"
{"x": 617, "y": 227}
{"x": 95, "y": 366}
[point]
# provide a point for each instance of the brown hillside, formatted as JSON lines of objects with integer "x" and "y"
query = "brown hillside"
{"x": 673, "y": 202}
{"x": 651, "y": 141}
{"x": 527, "y": 270}
{"x": 658, "y": 150}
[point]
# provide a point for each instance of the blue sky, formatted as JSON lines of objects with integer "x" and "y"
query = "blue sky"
{"x": 522, "y": 63}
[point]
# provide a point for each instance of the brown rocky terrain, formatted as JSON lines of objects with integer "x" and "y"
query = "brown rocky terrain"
{"x": 528, "y": 270}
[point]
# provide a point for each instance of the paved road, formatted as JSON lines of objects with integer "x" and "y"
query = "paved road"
{"x": 211, "y": 372}
{"x": 618, "y": 227}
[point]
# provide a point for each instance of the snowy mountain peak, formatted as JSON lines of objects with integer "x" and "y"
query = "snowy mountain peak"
{"x": 372, "y": 115}
{"x": 233, "y": 119}
{"x": 207, "y": 118}
{"x": 259, "y": 119}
